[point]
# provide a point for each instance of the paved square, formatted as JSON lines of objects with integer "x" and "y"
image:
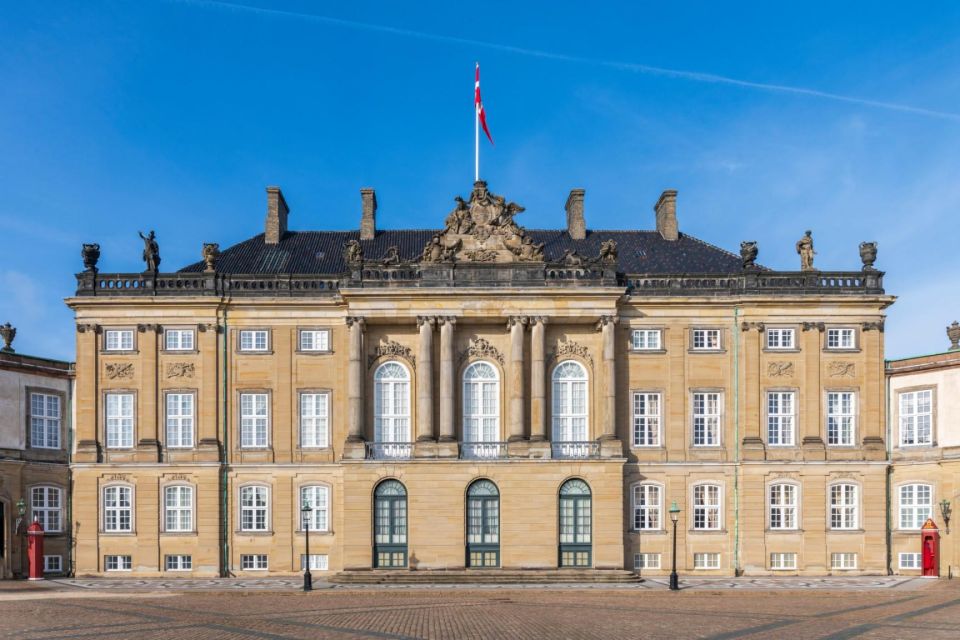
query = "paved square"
{"x": 897, "y": 609}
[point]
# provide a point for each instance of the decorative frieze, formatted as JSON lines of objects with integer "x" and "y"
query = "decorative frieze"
{"x": 780, "y": 369}
{"x": 117, "y": 477}
{"x": 391, "y": 349}
{"x": 841, "y": 370}
{"x": 571, "y": 348}
{"x": 180, "y": 369}
{"x": 119, "y": 370}
{"x": 481, "y": 349}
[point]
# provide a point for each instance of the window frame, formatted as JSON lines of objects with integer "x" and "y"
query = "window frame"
{"x": 854, "y": 339}
{"x": 255, "y": 560}
{"x": 706, "y": 332}
{"x": 105, "y": 343}
{"x": 645, "y": 555}
{"x": 770, "y": 331}
{"x": 704, "y": 555}
{"x": 835, "y": 566}
{"x": 854, "y": 416}
{"x": 254, "y": 509}
{"x": 637, "y": 418}
{"x": 707, "y": 508}
{"x": 46, "y": 563}
{"x": 482, "y": 416}
{"x": 179, "y": 568}
{"x": 46, "y": 420}
{"x": 327, "y": 509}
{"x": 268, "y": 440}
{"x": 190, "y": 509}
{"x": 857, "y": 499}
{"x": 915, "y": 391}
{"x": 322, "y": 422}
{"x": 782, "y": 555}
{"x": 558, "y": 418}
{"x": 646, "y": 331}
{"x": 118, "y": 509}
{"x": 266, "y": 350}
{"x": 916, "y": 507}
{"x": 720, "y": 417}
{"x": 107, "y": 394}
{"x": 393, "y": 421}
{"x": 641, "y": 513}
{"x": 787, "y": 510}
{"x": 168, "y": 332}
{"x": 780, "y": 416}
{"x": 192, "y": 394}
{"x": 314, "y": 330}
{"x": 45, "y": 509}
{"x": 124, "y": 562}
{"x": 915, "y": 555}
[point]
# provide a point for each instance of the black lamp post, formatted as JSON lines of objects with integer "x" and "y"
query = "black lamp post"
{"x": 306, "y": 510}
{"x": 21, "y": 512}
{"x": 674, "y": 517}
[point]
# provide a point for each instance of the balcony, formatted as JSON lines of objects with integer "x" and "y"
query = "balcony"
{"x": 574, "y": 449}
{"x": 483, "y": 450}
{"x": 389, "y": 450}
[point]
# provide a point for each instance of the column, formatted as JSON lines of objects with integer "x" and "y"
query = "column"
{"x": 538, "y": 382}
{"x": 425, "y": 380}
{"x": 607, "y": 326}
{"x": 516, "y": 324}
{"x": 447, "y": 426}
{"x": 355, "y": 381}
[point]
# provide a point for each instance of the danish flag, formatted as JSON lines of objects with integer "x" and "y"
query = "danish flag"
{"x": 478, "y": 103}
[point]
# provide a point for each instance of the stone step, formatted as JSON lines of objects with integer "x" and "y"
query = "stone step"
{"x": 485, "y": 576}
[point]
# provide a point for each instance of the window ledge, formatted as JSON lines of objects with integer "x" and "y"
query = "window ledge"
{"x": 179, "y": 534}
{"x": 241, "y": 352}
{"x": 841, "y": 350}
{"x": 179, "y": 352}
{"x": 829, "y": 531}
{"x": 652, "y": 532}
{"x": 119, "y": 534}
{"x": 647, "y": 351}
{"x": 311, "y": 352}
{"x": 314, "y": 532}
{"x": 259, "y": 534}
{"x": 707, "y": 531}
{"x": 775, "y": 350}
{"x": 119, "y": 352}
{"x": 706, "y": 350}
{"x": 784, "y": 531}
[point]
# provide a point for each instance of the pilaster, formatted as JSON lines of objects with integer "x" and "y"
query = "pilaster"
{"x": 148, "y": 444}
{"x": 354, "y": 448}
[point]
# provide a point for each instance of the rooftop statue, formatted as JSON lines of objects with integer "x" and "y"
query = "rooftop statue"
{"x": 805, "y": 249}
{"x": 608, "y": 252}
{"x": 352, "y": 253}
{"x": 151, "y": 251}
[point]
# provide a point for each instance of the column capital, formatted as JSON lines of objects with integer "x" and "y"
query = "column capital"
{"x": 358, "y": 320}
{"x": 442, "y": 320}
{"x": 538, "y": 320}
{"x": 746, "y": 326}
{"x": 92, "y": 328}
{"x": 517, "y": 320}
{"x": 430, "y": 320}
{"x": 607, "y": 320}
{"x": 809, "y": 326}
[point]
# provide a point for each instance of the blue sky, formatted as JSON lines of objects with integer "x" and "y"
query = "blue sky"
{"x": 124, "y": 115}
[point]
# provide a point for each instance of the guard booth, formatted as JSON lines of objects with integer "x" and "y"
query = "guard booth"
{"x": 930, "y": 544}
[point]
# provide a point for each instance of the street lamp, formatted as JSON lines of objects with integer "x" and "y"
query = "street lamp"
{"x": 21, "y": 511}
{"x": 305, "y": 510}
{"x": 674, "y": 516}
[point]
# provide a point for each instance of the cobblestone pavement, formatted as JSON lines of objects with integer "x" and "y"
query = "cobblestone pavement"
{"x": 912, "y": 609}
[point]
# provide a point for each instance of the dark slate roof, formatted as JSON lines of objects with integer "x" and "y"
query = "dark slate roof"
{"x": 321, "y": 252}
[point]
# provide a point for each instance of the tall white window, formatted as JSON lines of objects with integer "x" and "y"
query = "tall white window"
{"x": 178, "y": 339}
{"x": 843, "y": 506}
{"x": 118, "y": 340}
{"x": 253, "y": 508}
{"x": 916, "y": 418}
{"x": 314, "y": 340}
{"x": 646, "y": 419}
{"x": 647, "y": 507}
{"x": 44, "y": 421}
{"x": 391, "y": 403}
{"x": 118, "y": 509}
{"x": 46, "y": 505}
{"x": 783, "y": 506}
{"x": 781, "y": 406}
{"x": 706, "y": 419}
{"x": 645, "y": 340}
{"x": 254, "y": 419}
{"x": 706, "y": 506}
{"x": 841, "y": 339}
{"x": 179, "y": 420}
{"x": 318, "y": 497}
{"x": 315, "y": 420}
{"x": 569, "y": 402}
{"x": 916, "y": 505}
{"x": 119, "y": 420}
{"x": 481, "y": 403}
{"x": 841, "y": 417}
{"x": 706, "y": 339}
{"x": 178, "y": 508}
{"x": 254, "y": 340}
{"x": 780, "y": 338}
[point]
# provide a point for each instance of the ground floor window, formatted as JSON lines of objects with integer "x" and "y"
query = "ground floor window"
{"x": 254, "y": 562}
{"x": 646, "y": 561}
{"x": 706, "y": 561}
{"x": 575, "y": 524}
{"x": 178, "y": 563}
{"x": 52, "y": 564}
{"x": 910, "y": 561}
{"x": 118, "y": 563}
{"x": 783, "y": 561}
{"x": 318, "y": 562}
{"x": 843, "y": 561}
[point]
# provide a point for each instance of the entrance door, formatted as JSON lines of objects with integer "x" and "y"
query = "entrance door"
{"x": 483, "y": 525}
{"x": 575, "y": 524}
{"x": 390, "y": 525}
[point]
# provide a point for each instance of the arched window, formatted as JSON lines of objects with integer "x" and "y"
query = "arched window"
{"x": 481, "y": 403}
{"x": 318, "y": 497}
{"x": 916, "y": 505}
{"x": 783, "y": 505}
{"x": 391, "y": 410}
{"x": 178, "y": 508}
{"x": 569, "y": 402}
{"x": 483, "y": 524}
{"x": 390, "y": 525}
{"x": 647, "y": 507}
{"x": 843, "y": 506}
{"x": 575, "y": 524}
{"x": 46, "y": 505}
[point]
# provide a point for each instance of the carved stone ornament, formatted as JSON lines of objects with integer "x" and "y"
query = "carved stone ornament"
{"x": 182, "y": 477}
{"x": 841, "y": 370}
{"x": 391, "y": 349}
{"x": 481, "y": 349}
{"x": 119, "y": 370}
{"x": 868, "y": 255}
{"x": 210, "y": 253}
{"x": 805, "y": 249}
{"x": 810, "y": 326}
{"x": 352, "y": 253}
{"x": 151, "y": 252}
{"x": 90, "y": 254}
{"x": 8, "y": 332}
{"x": 180, "y": 369}
{"x": 117, "y": 477}
{"x": 608, "y": 252}
{"x": 780, "y": 369}
{"x": 748, "y": 254}
{"x": 392, "y": 257}
{"x": 953, "y": 333}
{"x": 873, "y": 326}
{"x": 571, "y": 348}
{"x": 747, "y": 326}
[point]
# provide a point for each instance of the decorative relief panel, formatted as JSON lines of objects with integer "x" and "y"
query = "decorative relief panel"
{"x": 180, "y": 369}
{"x": 391, "y": 349}
{"x": 117, "y": 477}
{"x": 481, "y": 349}
{"x": 841, "y": 370}
{"x": 571, "y": 348}
{"x": 780, "y": 369}
{"x": 119, "y": 370}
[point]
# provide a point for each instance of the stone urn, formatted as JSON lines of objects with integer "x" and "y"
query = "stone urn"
{"x": 90, "y": 254}
{"x": 748, "y": 253}
{"x": 8, "y": 333}
{"x": 210, "y": 253}
{"x": 868, "y": 253}
{"x": 953, "y": 332}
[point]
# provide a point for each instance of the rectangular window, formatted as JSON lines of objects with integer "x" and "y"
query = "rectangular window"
{"x": 843, "y": 506}
{"x": 254, "y": 419}
{"x": 706, "y": 561}
{"x": 916, "y": 505}
{"x": 779, "y": 338}
{"x": 841, "y": 417}
{"x": 841, "y": 339}
{"x": 318, "y": 498}
{"x": 119, "y": 420}
{"x": 781, "y": 406}
{"x": 706, "y": 339}
{"x": 314, "y": 340}
{"x": 117, "y": 563}
{"x": 315, "y": 420}
{"x": 646, "y": 561}
{"x": 254, "y": 340}
{"x": 783, "y": 506}
{"x": 118, "y": 509}
{"x": 318, "y": 562}
{"x": 52, "y": 564}
{"x": 253, "y": 509}
{"x": 178, "y": 506}
{"x": 118, "y": 340}
{"x": 910, "y": 561}
{"x": 44, "y": 421}
{"x": 45, "y": 505}
{"x": 783, "y": 561}
{"x": 843, "y": 561}
{"x": 706, "y": 419}
{"x": 178, "y": 339}
{"x": 646, "y": 419}
{"x": 178, "y": 563}
{"x": 646, "y": 340}
{"x": 646, "y": 507}
{"x": 916, "y": 418}
{"x": 179, "y": 420}
{"x": 706, "y": 507}
{"x": 253, "y": 562}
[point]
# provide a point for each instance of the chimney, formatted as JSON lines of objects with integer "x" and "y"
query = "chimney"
{"x": 666, "y": 209}
{"x": 277, "y": 211}
{"x": 368, "y": 219}
{"x": 576, "y": 225}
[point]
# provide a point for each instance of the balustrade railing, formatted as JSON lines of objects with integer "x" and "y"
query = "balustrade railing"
{"x": 575, "y": 449}
{"x": 389, "y": 450}
{"x": 483, "y": 450}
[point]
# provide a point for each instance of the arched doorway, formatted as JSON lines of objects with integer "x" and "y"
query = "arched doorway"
{"x": 483, "y": 525}
{"x": 390, "y": 525}
{"x": 575, "y": 524}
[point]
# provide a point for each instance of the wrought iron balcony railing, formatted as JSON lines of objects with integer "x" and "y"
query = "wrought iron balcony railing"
{"x": 575, "y": 449}
{"x": 483, "y": 450}
{"x": 389, "y": 450}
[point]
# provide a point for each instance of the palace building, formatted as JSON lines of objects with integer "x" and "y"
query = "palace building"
{"x": 479, "y": 396}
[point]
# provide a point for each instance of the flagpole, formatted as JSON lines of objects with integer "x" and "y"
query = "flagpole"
{"x": 476, "y": 143}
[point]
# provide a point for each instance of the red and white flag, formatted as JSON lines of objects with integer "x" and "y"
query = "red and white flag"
{"x": 478, "y": 103}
